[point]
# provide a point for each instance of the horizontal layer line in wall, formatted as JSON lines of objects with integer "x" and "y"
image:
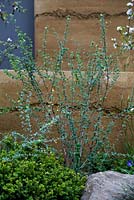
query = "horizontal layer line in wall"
{"x": 60, "y": 13}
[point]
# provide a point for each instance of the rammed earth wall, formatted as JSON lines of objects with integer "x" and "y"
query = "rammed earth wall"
{"x": 84, "y": 27}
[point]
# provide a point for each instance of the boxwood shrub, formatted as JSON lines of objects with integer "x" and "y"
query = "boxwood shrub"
{"x": 29, "y": 171}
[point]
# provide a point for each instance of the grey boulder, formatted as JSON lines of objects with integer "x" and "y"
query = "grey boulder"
{"x": 109, "y": 185}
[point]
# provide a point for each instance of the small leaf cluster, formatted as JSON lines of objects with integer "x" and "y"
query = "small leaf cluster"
{"x": 102, "y": 161}
{"x": 124, "y": 164}
{"x": 30, "y": 171}
{"x": 126, "y": 32}
{"x": 9, "y": 8}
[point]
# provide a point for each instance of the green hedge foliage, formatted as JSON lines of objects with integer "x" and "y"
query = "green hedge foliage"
{"x": 30, "y": 172}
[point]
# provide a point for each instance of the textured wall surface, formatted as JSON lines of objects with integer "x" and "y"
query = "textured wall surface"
{"x": 84, "y": 27}
{"x": 9, "y": 91}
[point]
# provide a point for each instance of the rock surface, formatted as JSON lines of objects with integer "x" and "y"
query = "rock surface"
{"x": 108, "y": 185}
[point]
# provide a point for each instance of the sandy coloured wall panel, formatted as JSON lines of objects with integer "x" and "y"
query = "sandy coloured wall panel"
{"x": 84, "y": 25}
{"x": 81, "y": 6}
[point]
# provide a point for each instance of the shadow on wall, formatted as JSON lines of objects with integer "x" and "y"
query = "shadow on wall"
{"x": 24, "y": 20}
